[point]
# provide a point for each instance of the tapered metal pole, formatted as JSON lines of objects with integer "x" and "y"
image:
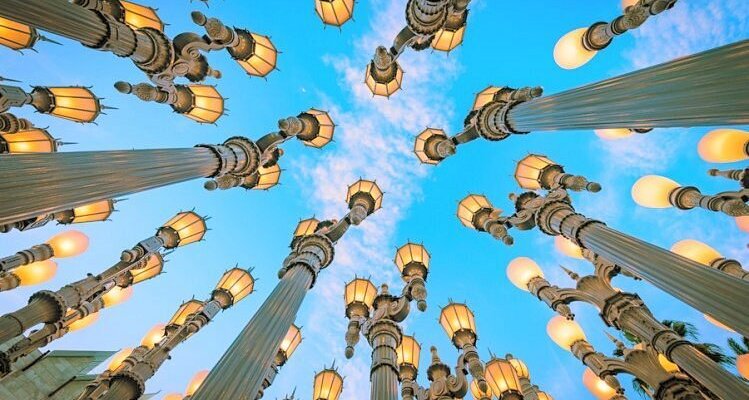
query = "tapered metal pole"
{"x": 384, "y": 372}
{"x": 705, "y": 89}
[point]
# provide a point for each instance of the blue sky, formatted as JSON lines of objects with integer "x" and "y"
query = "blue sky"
{"x": 506, "y": 44}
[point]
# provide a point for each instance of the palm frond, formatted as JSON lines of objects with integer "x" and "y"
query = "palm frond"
{"x": 715, "y": 353}
{"x": 737, "y": 347}
{"x": 682, "y": 328}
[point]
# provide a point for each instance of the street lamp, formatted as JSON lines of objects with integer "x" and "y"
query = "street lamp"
{"x": 706, "y": 255}
{"x": 654, "y": 191}
{"x": 34, "y": 140}
{"x": 599, "y": 388}
{"x": 443, "y": 384}
{"x": 529, "y": 390}
{"x": 579, "y": 46}
{"x": 288, "y": 346}
{"x": 62, "y": 245}
{"x": 642, "y": 363}
{"x": 76, "y": 103}
{"x": 195, "y": 383}
{"x": 93, "y": 212}
{"x": 618, "y": 133}
{"x": 503, "y": 379}
{"x": 705, "y": 289}
{"x": 243, "y": 367}
{"x": 436, "y": 23}
{"x": 377, "y": 316}
{"x": 626, "y": 312}
{"x": 128, "y": 380}
{"x": 328, "y": 384}
{"x": 40, "y": 184}
{"x": 657, "y": 97}
{"x": 19, "y": 37}
{"x": 724, "y": 146}
{"x": 58, "y": 310}
{"x": 335, "y": 12}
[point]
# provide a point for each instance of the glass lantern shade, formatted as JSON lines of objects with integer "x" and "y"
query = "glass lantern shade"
{"x": 564, "y": 332}
{"x": 477, "y": 393}
{"x": 411, "y": 253}
{"x": 421, "y": 141}
{"x": 566, "y": 247}
{"x": 35, "y": 273}
{"x": 291, "y": 341}
{"x": 94, "y": 212}
{"x": 83, "y": 322}
{"x": 383, "y": 88}
{"x": 696, "y": 251}
{"x": 74, "y": 103}
{"x": 117, "y": 295}
{"x": 335, "y": 12}
{"x": 369, "y": 187}
{"x": 501, "y": 377}
{"x": 306, "y": 227}
{"x": 238, "y": 282}
{"x": 451, "y": 34}
{"x": 325, "y": 131}
{"x": 328, "y": 385}
{"x": 470, "y": 206}
{"x": 724, "y": 146}
{"x": 184, "y": 312}
{"x": 543, "y": 396}
{"x": 597, "y": 386}
{"x": 68, "y": 244}
{"x": 262, "y": 59}
{"x": 153, "y": 267}
{"x": 29, "y": 141}
{"x": 118, "y": 358}
{"x": 457, "y": 317}
{"x": 267, "y": 177}
{"x": 653, "y": 191}
{"x": 138, "y": 16}
{"x": 154, "y": 336}
{"x": 485, "y": 96}
{"x": 408, "y": 352}
{"x": 207, "y": 105}
{"x": 528, "y": 171}
{"x": 520, "y": 368}
{"x": 521, "y": 270}
{"x": 569, "y": 52}
{"x": 16, "y": 36}
{"x": 360, "y": 291}
{"x": 189, "y": 227}
{"x": 195, "y": 382}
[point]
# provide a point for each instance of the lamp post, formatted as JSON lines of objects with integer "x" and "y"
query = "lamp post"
{"x": 57, "y": 310}
{"x": 377, "y": 316}
{"x": 335, "y": 12}
{"x": 76, "y": 103}
{"x": 38, "y": 184}
{"x": 93, "y": 212}
{"x": 66, "y": 244}
{"x": 706, "y": 255}
{"x": 288, "y": 346}
{"x": 705, "y": 289}
{"x": 626, "y": 312}
{"x": 665, "y": 95}
{"x": 437, "y": 23}
{"x": 127, "y": 381}
{"x": 133, "y": 31}
{"x": 243, "y": 366}
{"x": 579, "y": 46}
{"x": 328, "y": 384}
{"x": 643, "y": 363}
{"x": 654, "y": 191}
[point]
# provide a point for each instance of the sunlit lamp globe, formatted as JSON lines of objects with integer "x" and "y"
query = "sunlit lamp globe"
{"x": 717, "y": 323}
{"x": 652, "y": 191}
{"x": 36, "y": 272}
{"x": 613, "y": 133}
{"x": 84, "y": 322}
{"x": 569, "y": 52}
{"x": 597, "y": 386}
{"x": 195, "y": 382}
{"x": 724, "y": 146}
{"x": 174, "y": 396}
{"x": 117, "y": 295}
{"x": 118, "y": 358}
{"x": 154, "y": 336}
{"x": 696, "y": 251}
{"x": 742, "y": 365}
{"x": 68, "y": 244}
{"x": 566, "y": 247}
{"x": 627, "y": 3}
{"x": 743, "y": 223}
{"x": 564, "y": 332}
{"x": 521, "y": 270}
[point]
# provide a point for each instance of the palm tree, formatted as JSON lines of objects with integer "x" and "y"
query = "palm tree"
{"x": 742, "y": 355}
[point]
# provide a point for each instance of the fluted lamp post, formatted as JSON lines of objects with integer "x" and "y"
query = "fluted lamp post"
{"x": 243, "y": 366}
{"x": 698, "y": 90}
{"x": 626, "y": 312}
{"x": 579, "y": 46}
{"x": 57, "y": 310}
{"x": 706, "y": 255}
{"x": 18, "y": 269}
{"x": 40, "y": 184}
{"x": 19, "y": 37}
{"x": 288, "y": 346}
{"x": 127, "y": 381}
{"x": 436, "y": 23}
{"x": 75, "y": 103}
{"x": 705, "y": 289}
{"x": 377, "y": 316}
{"x": 335, "y": 12}
{"x": 327, "y": 385}
{"x": 642, "y": 363}
{"x": 94, "y": 212}
{"x": 655, "y": 191}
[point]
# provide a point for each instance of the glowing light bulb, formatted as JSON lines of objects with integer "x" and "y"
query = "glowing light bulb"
{"x": 717, "y": 323}
{"x": 117, "y": 295}
{"x": 613, "y": 133}
{"x": 35, "y": 273}
{"x": 68, "y": 244}
{"x": 724, "y": 146}
{"x": 569, "y": 52}
{"x": 154, "y": 336}
{"x": 118, "y": 358}
{"x": 696, "y": 251}
{"x": 653, "y": 191}
{"x": 564, "y": 332}
{"x": 566, "y": 247}
{"x": 743, "y": 223}
{"x": 521, "y": 270}
{"x": 597, "y": 386}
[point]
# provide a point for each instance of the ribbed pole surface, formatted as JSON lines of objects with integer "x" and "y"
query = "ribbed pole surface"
{"x": 706, "y": 89}
{"x": 383, "y": 376}
{"x": 240, "y": 372}
{"x": 709, "y": 291}
{"x": 38, "y": 184}
{"x": 705, "y": 371}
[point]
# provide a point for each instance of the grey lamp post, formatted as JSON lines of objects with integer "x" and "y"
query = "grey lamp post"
{"x": 106, "y": 25}
{"x": 57, "y": 310}
{"x": 626, "y": 312}
{"x": 288, "y": 345}
{"x": 92, "y": 212}
{"x": 40, "y": 184}
{"x": 705, "y": 289}
{"x": 127, "y": 381}
{"x": 440, "y": 24}
{"x": 377, "y": 317}
{"x": 699, "y": 90}
{"x": 240, "y": 372}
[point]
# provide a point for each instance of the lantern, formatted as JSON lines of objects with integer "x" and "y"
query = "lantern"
{"x": 425, "y": 137}
{"x": 324, "y": 131}
{"x": 567, "y": 247}
{"x": 17, "y": 36}
{"x": 238, "y": 282}
{"x": 306, "y": 227}
{"x": 613, "y": 133}
{"x": 117, "y": 295}
{"x": 262, "y": 59}
{"x": 154, "y": 336}
{"x": 368, "y": 189}
{"x": 184, "y": 312}
{"x": 334, "y": 12}
{"x": 154, "y": 266}
{"x": 724, "y": 146}
{"x": 501, "y": 377}
{"x": 570, "y": 53}
{"x": 408, "y": 352}
{"x": 457, "y": 318}
{"x": 451, "y": 34}
{"x": 597, "y": 386}
{"x": 360, "y": 292}
{"x": 94, "y": 212}
{"x": 28, "y": 141}
{"x": 291, "y": 341}
{"x": 412, "y": 260}
{"x": 471, "y": 206}
{"x": 75, "y": 103}
{"x": 696, "y": 251}
{"x": 138, "y": 16}
{"x": 485, "y": 96}
{"x": 384, "y": 84}
{"x": 83, "y": 322}
{"x": 195, "y": 382}
{"x": 530, "y": 170}
{"x": 118, "y": 358}
{"x": 520, "y": 368}
{"x": 264, "y": 179}
{"x": 187, "y": 227}
{"x": 478, "y": 394}
{"x": 328, "y": 385}
{"x": 205, "y": 106}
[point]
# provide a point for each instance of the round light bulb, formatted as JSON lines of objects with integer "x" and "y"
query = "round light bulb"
{"x": 597, "y": 386}
{"x": 569, "y": 52}
{"x": 118, "y": 358}
{"x": 742, "y": 365}
{"x": 521, "y": 270}
{"x": 117, "y": 295}
{"x": 154, "y": 336}
{"x": 627, "y": 3}
{"x": 717, "y": 323}
{"x": 564, "y": 332}
{"x": 35, "y": 273}
{"x": 84, "y": 322}
{"x": 613, "y": 133}
{"x": 724, "y": 146}
{"x": 195, "y": 382}
{"x": 653, "y": 191}
{"x": 743, "y": 223}
{"x": 696, "y": 251}
{"x": 566, "y": 247}
{"x": 68, "y": 244}
{"x": 173, "y": 396}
